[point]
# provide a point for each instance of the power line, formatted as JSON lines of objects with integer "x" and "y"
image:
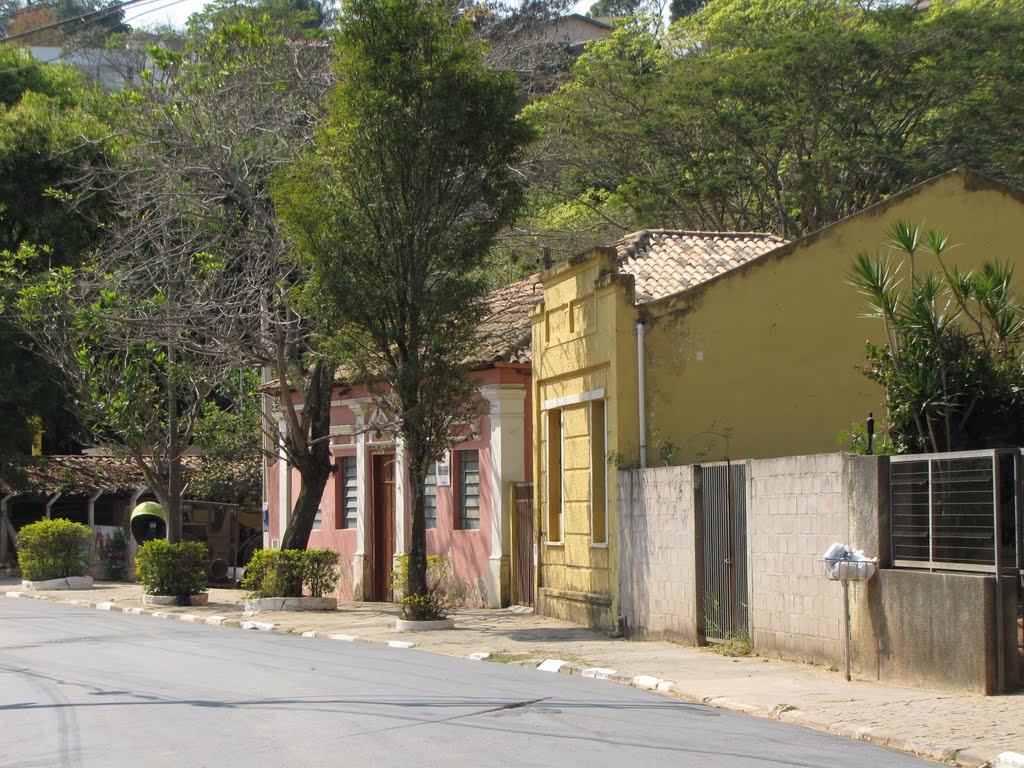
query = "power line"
{"x": 90, "y": 17}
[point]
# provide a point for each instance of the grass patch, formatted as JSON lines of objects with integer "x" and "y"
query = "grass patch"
{"x": 500, "y": 657}
{"x": 503, "y": 657}
{"x": 733, "y": 647}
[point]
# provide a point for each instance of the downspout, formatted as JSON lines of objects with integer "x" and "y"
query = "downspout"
{"x": 51, "y": 502}
{"x": 640, "y": 385}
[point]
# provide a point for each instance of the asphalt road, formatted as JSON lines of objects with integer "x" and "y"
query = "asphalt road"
{"x": 81, "y": 688}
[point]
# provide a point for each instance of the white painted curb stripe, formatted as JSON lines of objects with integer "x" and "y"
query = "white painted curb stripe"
{"x": 343, "y": 638}
{"x": 399, "y": 644}
{"x": 599, "y": 673}
{"x": 104, "y": 606}
{"x": 1008, "y": 760}
{"x": 551, "y": 665}
{"x": 478, "y": 656}
{"x": 262, "y": 626}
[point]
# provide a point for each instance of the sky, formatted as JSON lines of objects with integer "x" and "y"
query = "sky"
{"x": 176, "y": 12}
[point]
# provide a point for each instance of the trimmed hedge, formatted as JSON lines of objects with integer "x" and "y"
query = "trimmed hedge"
{"x": 53, "y": 549}
{"x": 283, "y": 572}
{"x": 172, "y": 569}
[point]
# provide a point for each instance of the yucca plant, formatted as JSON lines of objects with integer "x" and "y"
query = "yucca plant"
{"x": 951, "y": 361}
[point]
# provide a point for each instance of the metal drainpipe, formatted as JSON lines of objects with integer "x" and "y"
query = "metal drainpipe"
{"x": 640, "y": 392}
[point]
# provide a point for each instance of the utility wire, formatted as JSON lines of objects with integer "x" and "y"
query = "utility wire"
{"x": 92, "y": 16}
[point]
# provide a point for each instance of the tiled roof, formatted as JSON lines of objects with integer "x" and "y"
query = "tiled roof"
{"x": 665, "y": 262}
{"x": 81, "y": 474}
{"x": 505, "y": 334}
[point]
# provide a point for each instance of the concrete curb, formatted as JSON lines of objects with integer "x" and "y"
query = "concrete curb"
{"x": 975, "y": 757}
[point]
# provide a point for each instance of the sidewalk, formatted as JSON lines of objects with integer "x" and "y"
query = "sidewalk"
{"x": 958, "y": 729}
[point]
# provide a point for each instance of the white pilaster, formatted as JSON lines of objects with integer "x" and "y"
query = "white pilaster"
{"x": 402, "y": 499}
{"x": 508, "y": 465}
{"x": 284, "y": 483}
{"x": 360, "y": 562}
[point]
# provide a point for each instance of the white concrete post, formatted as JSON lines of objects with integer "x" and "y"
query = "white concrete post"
{"x": 51, "y": 502}
{"x": 508, "y": 465}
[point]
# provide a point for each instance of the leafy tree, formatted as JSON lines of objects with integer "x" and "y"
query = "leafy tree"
{"x": 615, "y": 8}
{"x": 191, "y": 281}
{"x": 49, "y": 130}
{"x": 293, "y": 17}
{"x": 778, "y": 115}
{"x": 951, "y": 362}
{"x": 230, "y": 434}
{"x": 680, "y": 8}
{"x": 83, "y": 23}
{"x": 395, "y": 212}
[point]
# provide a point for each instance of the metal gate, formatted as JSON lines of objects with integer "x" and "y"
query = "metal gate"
{"x": 722, "y": 520}
{"x": 522, "y": 543}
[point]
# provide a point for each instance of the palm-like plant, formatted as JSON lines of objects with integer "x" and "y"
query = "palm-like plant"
{"x": 951, "y": 362}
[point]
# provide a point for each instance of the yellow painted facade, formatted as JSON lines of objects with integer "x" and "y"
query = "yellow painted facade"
{"x": 760, "y": 361}
{"x": 757, "y": 362}
{"x": 584, "y": 372}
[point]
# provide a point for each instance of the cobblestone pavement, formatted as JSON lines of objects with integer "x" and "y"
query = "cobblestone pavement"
{"x": 960, "y": 729}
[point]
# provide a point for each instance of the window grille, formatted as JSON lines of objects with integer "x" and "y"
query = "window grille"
{"x": 955, "y": 511}
{"x": 430, "y": 496}
{"x": 349, "y": 493}
{"x": 469, "y": 489}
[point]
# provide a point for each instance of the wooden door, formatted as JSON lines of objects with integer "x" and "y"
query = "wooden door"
{"x": 382, "y": 534}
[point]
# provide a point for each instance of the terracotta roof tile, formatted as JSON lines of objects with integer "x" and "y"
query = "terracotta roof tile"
{"x": 81, "y": 474}
{"x": 665, "y": 262}
{"x": 505, "y": 333}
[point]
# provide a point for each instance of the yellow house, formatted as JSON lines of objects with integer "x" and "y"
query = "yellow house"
{"x": 748, "y": 348}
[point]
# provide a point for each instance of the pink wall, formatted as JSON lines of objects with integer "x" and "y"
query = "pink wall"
{"x": 470, "y": 549}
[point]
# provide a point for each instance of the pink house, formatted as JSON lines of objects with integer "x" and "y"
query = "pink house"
{"x": 365, "y": 515}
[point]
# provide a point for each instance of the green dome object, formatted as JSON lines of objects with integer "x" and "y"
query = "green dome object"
{"x": 149, "y": 508}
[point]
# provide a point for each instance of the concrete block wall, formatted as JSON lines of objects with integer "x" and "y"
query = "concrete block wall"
{"x": 657, "y": 549}
{"x": 796, "y": 507}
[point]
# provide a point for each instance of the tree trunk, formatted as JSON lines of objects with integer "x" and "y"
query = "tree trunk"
{"x": 416, "y": 583}
{"x": 314, "y": 462}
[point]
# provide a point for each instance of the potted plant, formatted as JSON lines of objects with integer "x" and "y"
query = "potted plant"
{"x": 173, "y": 574}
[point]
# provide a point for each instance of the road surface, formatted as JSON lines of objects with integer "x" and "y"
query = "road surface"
{"x": 80, "y": 688}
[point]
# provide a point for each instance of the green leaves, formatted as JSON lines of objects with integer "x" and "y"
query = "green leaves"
{"x": 951, "y": 368}
{"x": 780, "y": 116}
{"x": 53, "y": 549}
{"x": 177, "y": 569}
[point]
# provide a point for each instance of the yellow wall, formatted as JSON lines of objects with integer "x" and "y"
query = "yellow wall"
{"x": 584, "y": 348}
{"x": 760, "y": 362}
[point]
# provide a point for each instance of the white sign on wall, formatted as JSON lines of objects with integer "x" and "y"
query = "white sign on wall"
{"x": 443, "y": 467}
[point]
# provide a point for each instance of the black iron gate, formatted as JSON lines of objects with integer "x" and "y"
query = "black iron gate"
{"x": 722, "y": 519}
{"x": 522, "y": 544}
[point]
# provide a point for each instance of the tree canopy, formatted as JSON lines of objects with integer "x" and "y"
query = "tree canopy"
{"x": 49, "y": 131}
{"x": 776, "y": 115}
{"x": 395, "y": 212}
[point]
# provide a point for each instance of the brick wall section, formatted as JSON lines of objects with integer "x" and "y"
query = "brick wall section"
{"x": 656, "y": 540}
{"x": 797, "y": 506}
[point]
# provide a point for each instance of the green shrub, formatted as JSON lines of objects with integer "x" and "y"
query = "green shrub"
{"x": 283, "y": 572}
{"x": 320, "y": 574}
{"x": 53, "y": 549}
{"x": 440, "y": 598}
{"x": 172, "y": 569}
